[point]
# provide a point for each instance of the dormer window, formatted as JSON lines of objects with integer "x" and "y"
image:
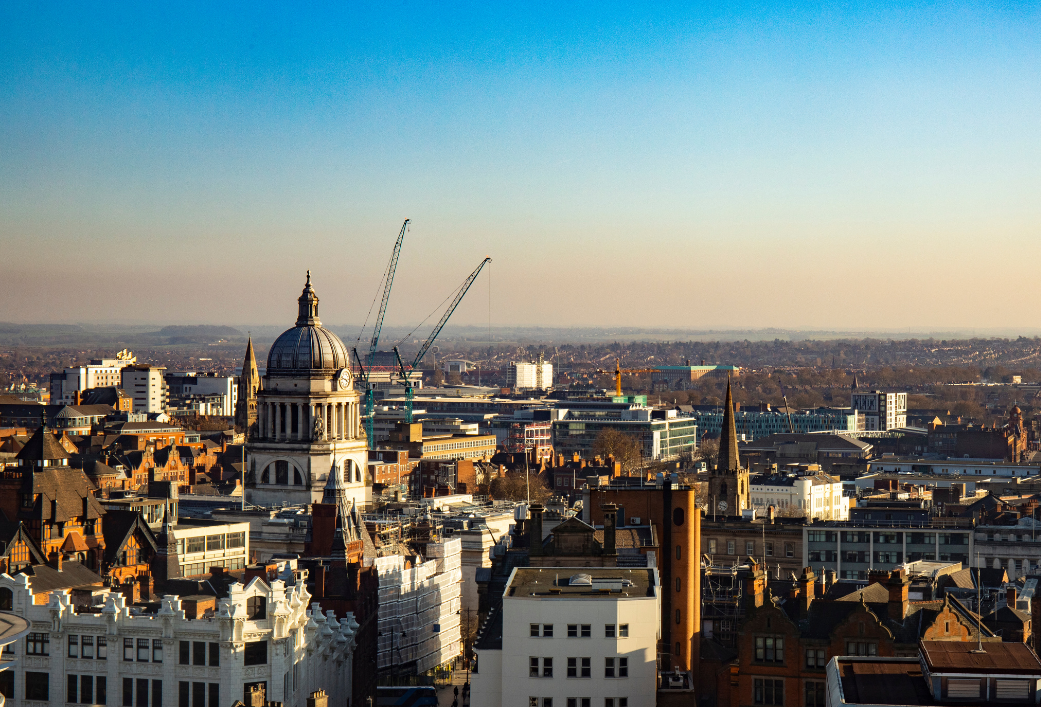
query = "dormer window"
{"x": 256, "y": 608}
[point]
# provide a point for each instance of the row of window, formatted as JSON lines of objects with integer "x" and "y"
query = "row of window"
{"x": 579, "y": 702}
{"x": 579, "y": 630}
{"x": 211, "y": 543}
{"x": 93, "y": 690}
{"x": 770, "y": 691}
{"x": 144, "y": 650}
{"x": 614, "y": 667}
{"x": 731, "y": 547}
{"x": 887, "y": 538}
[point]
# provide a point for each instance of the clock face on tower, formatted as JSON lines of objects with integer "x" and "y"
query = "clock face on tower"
{"x": 344, "y": 379}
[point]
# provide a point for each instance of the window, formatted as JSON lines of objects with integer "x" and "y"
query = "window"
{"x": 157, "y": 693}
{"x": 128, "y": 692}
{"x": 815, "y": 694}
{"x": 711, "y": 548}
{"x": 547, "y": 630}
{"x": 197, "y": 544}
{"x": 608, "y": 630}
{"x": 616, "y": 702}
{"x": 678, "y": 584}
{"x": 750, "y": 547}
{"x": 6, "y": 602}
{"x": 198, "y": 694}
{"x": 214, "y": 694}
{"x": 100, "y": 690}
{"x": 768, "y": 692}
{"x": 677, "y": 617}
{"x": 608, "y": 667}
{"x": 37, "y": 644}
{"x": 236, "y": 540}
{"x": 623, "y": 667}
{"x": 199, "y": 653}
{"x": 184, "y": 653}
{"x": 256, "y": 608}
{"x": 37, "y": 686}
{"x": 861, "y": 648}
{"x": 586, "y": 630}
{"x": 102, "y": 648}
{"x": 815, "y": 658}
{"x": 579, "y": 667}
{"x": 572, "y": 667}
{"x": 769, "y": 549}
{"x": 547, "y": 702}
{"x": 214, "y": 542}
{"x": 72, "y": 689}
{"x": 578, "y": 702}
{"x": 183, "y": 692}
{"x": 157, "y": 650}
{"x": 86, "y": 689}
{"x": 86, "y": 646}
{"x": 679, "y": 552}
{"x": 534, "y": 630}
{"x": 623, "y": 630}
{"x": 533, "y": 667}
{"x": 731, "y": 548}
{"x": 7, "y": 684}
{"x": 142, "y": 693}
{"x": 256, "y": 653}
{"x": 214, "y": 654}
{"x": 74, "y": 649}
{"x": 789, "y": 549}
{"x": 769, "y": 649}
{"x": 142, "y": 651}
{"x": 547, "y": 667}
{"x": 128, "y": 649}
{"x": 572, "y": 630}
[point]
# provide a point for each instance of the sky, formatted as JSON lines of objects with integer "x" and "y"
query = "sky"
{"x": 677, "y": 165}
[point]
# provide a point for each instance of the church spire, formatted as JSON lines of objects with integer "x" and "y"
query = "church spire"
{"x": 249, "y": 384}
{"x": 308, "y": 312}
{"x": 728, "y": 461}
{"x": 854, "y": 386}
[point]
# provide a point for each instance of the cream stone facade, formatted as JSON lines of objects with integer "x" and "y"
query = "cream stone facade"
{"x": 91, "y": 648}
{"x": 309, "y": 422}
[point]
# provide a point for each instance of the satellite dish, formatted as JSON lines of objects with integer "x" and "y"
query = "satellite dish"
{"x": 722, "y": 505}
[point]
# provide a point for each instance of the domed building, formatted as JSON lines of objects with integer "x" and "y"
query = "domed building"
{"x": 308, "y": 418}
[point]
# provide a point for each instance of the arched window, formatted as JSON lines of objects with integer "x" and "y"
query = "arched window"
{"x": 256, "y": 608}
{"x": 282, "y": 472}
{"x": 6, "y": 599}
{"x": 265, "y": 476}
{"x": 297, "y": 479}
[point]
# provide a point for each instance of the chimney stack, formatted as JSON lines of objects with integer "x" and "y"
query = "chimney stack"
{"x": 770, "y": 513}
{"x": 610, "y": 523}
{"x": 806, "y": 593}
{"x": 898, "y": 600}
{"x": 1010, "y": 596}
{"x": 535, "y": 534}
{"x": 318, "y": 699}
{"x": 755, "y": 586}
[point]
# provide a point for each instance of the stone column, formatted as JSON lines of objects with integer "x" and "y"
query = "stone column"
{"x": 278, "y": 421}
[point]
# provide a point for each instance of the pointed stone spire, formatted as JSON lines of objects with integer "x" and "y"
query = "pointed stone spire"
{"x": 165, "y": 565}
{"x": 308, "y": 312}
{"x": 249, "y": 384}
{"x": 347, "y": 525}
{"x": 728, "y": 461}
{"x": 854, "y": 386}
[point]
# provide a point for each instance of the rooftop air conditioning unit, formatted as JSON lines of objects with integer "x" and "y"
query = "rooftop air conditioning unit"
{"x": 634, "y": 520}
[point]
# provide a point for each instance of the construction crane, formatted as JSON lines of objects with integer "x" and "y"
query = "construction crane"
{"x": 618, "y": 371}
{"x": 377, "y": 328}
{"x": 407, "y": 371}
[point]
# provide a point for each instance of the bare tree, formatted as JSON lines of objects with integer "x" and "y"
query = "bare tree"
{"x": 625, "y": 449}
{"x": 513, "y": 487}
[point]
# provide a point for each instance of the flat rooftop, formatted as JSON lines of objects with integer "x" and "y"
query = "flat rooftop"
{"x": 883, "y": 681}
{"x": 997, "y": 658}
{"x": 573, "y": 582}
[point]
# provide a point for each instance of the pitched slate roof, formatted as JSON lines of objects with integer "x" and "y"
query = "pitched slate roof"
{"x": 67, "y": 488}
{"x": 43, "y": 444}
{"x": 119, "y": 527}
{"x": 73, "y": 574}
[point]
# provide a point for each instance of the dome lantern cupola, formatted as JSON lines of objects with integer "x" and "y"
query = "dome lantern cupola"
{"x": 307, "y": 348}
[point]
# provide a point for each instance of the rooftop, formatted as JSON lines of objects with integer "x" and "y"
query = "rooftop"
{"x": 573, "y": 582}
{"x": 961, "y": 656}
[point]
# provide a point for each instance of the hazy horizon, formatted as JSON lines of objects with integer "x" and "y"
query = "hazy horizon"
{"x": 848, "y": 168}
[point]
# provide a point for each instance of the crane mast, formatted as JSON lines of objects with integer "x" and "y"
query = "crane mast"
{"x": 406, "y": 371}
{"x": 377, "y": 328}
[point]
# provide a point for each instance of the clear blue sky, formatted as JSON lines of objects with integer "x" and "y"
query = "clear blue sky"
{"x": 645, "y": 164}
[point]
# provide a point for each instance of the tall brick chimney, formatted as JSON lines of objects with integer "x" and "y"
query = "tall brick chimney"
{"x": 610, "y": 523}
{"x": 755, "y": 586}
{"x": 806, "y": 590}
{"x": 898, "y": 601}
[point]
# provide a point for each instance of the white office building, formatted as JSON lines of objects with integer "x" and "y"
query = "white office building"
{"x": 812, "y": 495}
{"x": 571, "y": 637}
{"x": 205, "y": 544}
{"x": 529, "y": 376}
{"x": 146, "y": 386}
{"x": 88, "y": 647}
{"x": 218, "y": 395}
{"x": 99, "y": 373}
{"x": 882, "y": 411}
